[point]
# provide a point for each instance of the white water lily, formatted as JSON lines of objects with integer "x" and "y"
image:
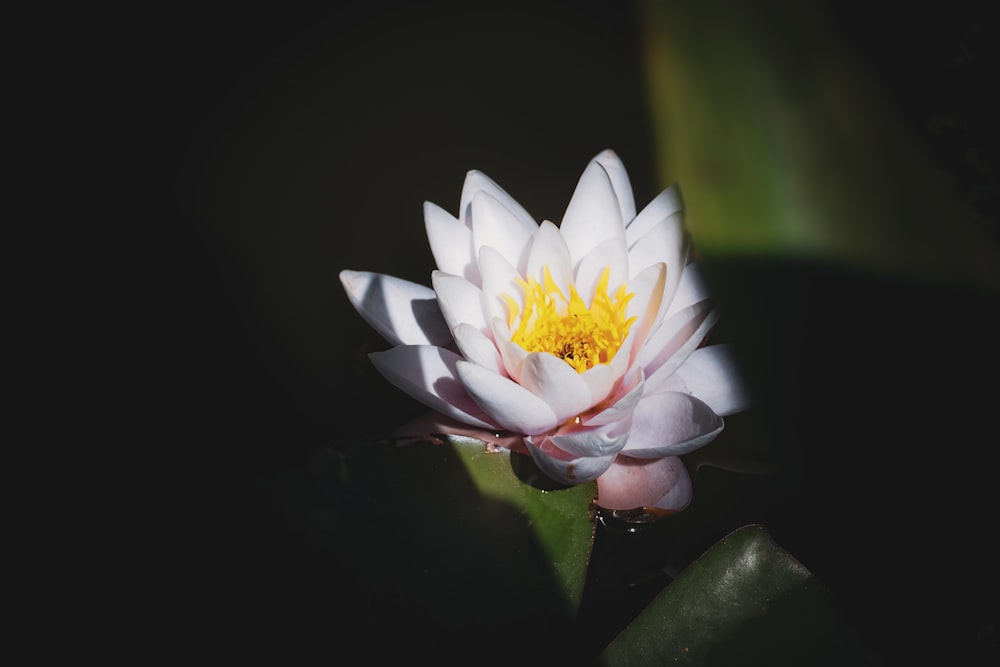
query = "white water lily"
{"x": 581, "y": 344}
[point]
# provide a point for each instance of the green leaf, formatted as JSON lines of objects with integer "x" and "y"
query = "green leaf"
{"x": 744, "y": 602}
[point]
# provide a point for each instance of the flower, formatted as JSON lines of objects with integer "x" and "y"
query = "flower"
{"x": 580, "y": 344}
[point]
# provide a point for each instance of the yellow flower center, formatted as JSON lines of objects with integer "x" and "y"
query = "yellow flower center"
{"x": 582, "y": 336}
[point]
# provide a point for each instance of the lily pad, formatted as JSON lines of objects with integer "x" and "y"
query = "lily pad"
{"x": 744, "y": 602}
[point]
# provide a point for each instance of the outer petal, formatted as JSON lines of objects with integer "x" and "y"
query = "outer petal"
{"x": 495, "y": 226}
{"x": 632, "y": 483}
{"x": 671, "y": 424}
{"x": 663, "y": 206}
{"x": 451, "y": 243}
{"x": 665, "y": 243}
{"x": 712, "y": 374}
{"x": 459, "y": 300}
{"x": 564, "y": 467}
{"x": 509, "y": 404}
{"x": 593, "y": 214}
{"x": 619, "y": 181}
{"x": 476, "y": 182}
{"x": 693, "y": 288}
{"x": 403, "y": 312}
{"x": 428, "y": 374}
{"x": 675, "y": 339}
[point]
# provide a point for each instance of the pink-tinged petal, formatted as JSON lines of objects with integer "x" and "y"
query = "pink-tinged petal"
{"x": 508, "y": 404}
{"x": 564, "y": 467}
{"x": 499, "y": 277}
{"x": 431, "y": 426}
{"x": 674, "y": 340}
{"x": 460, "y": 301}
{"x": 476, "y": 182}
{"x": 671, "y": 424}
{"x": 693, "y": 288}
{"x": 619, "y": 181}
{"x": 607, "y": 254}
{"x": 579, "y": 440}
{"x": 662, "y": 207}
{"x": 429, "y": 375}
{"x": 495, "y": 226}
{"x": 548, "y": 249}
{"x": 478, "y": 348}
{"x": 557, "y": 383}
{"x": 593, "y": 215}
{"x": 451, "y": 243}
{"x": 403, "y": 312}
{"x": 632, "y": 484}
{"x": 713, "y": 375}
{"x": 623, "y": 401}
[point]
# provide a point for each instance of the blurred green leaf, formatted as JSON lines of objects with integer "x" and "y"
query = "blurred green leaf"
{"x": 744, "y": 602}
{"x": 785, "y": 145}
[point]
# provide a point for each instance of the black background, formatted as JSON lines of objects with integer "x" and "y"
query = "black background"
{"x": 253, "y": 152}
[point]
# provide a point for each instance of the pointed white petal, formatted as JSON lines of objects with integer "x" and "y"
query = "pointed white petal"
{"x": 459, "y": 300}
{"x": 476, "y": 182}
{"x": 622, "y": 403}
{"x": 499, "y": 277}
{"x": 664, "y": 242}
{"x": 593, "y": 215}
{"x": 632, "y": 484}
{"x": 478, "y": 348}
{"x": 647, "y": 303}
{"x": 451, "y": 243}
{"x": 663, "y": 206}
{"x": 509, "y": 404}
{"x": 607, "y": 254}
{"x": 512, "y": 354}
{"x": 600, "y": 381}
{"x": 403, "y": 312}
{"x": 496, "y": 227}
{"x": 549, "y": 249}
{"x": 619, "y": 181}
{"x": 428, "y": 374}
{"x": 564, "y": 467}
{"x": 671, "y": 424}
{"x": 712, "y": 374}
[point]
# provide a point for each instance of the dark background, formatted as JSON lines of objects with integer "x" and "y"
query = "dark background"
{"x": 263, "y": 150}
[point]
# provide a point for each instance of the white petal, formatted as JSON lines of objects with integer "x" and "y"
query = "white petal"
{"x": 565, "y": 468}
{"x": 459, "y": 300}
{"x": 476, "y": 182}
{"x": 671, "y": 424}
{"x": 403, "y": 312}
{"x": 665, "y": 242}
{"x": 632, "y": 484}
{"x": 712, "y": 374}
{"x": 496, "y": 227}
{"x": 674, "y": 340}
{"x": 647, "y": 303}
{"x": 451, "y": 243}
{"x": 692, "y": 288}
{"x": 511, "y": 354}
{"x": 601, "y": 379}
{"x": 593, "y": 215}
{"x": 608, "y": 254}
{"x": 478, "y": 348}
{"x": 619, "y": 181}
{"x": 557, "y": 383}
{"x": 592, "y": 440}
{"x": 549, "y": 249}
{"x": 509, "y": 404}
{"x": 662, "y": 207}
{"x": 499, "y": 277}
{"x": 429, "y": 375}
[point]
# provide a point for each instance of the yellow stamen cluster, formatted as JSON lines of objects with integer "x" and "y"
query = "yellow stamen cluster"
{"x": 582, "y": 336}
